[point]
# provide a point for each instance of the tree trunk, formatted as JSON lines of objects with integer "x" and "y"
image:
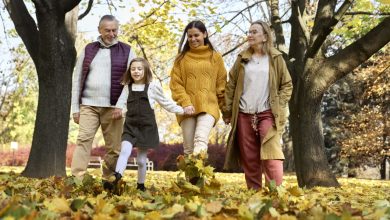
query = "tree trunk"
{"x": 311, "y": 164}
{"x": 56, "y": 60}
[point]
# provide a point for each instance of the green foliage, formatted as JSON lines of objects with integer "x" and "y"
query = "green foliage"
{"x": 18, "y": 99}
{"x": 353, "y": 27}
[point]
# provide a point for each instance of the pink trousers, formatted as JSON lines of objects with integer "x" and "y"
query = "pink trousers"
{"x": 251, "y": 129}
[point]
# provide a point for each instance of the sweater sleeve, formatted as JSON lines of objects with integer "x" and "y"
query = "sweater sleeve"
{"x": 76, "y": 83}
{"x": 157, "y": 94}
{"x": 221, "y": 82}
{"x": 177, "y": 87}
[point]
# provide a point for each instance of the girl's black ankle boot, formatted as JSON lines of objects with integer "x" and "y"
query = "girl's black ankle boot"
{"x": 141, "y": 186}
{"x": 118, "y": 176}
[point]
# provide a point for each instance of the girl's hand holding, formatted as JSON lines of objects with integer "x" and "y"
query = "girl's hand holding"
{"x": 189, "y": 110}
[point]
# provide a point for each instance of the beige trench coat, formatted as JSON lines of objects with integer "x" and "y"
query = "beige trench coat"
{"x": 280, "y": 92}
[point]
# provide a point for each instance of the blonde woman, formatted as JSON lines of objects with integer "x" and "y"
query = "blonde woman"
{"x": 256, "y": 97}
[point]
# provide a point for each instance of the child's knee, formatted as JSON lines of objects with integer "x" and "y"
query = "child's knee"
{"x": 141, "y": 162}
{"x": 125, "y": 151}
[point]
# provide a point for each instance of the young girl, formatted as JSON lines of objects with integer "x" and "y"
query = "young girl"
{"x": 198, "y": 80}
{"x": 140, "y": 128}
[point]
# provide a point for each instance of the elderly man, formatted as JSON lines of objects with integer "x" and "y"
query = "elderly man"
{"x": 96, "y": 99}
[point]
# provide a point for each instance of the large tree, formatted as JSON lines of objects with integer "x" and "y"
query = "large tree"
{"x": 49, "y": 40}
{"x": 313, "y": 71}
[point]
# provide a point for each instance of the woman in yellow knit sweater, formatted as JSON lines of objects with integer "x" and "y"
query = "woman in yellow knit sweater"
{"x": 198, "y": 80}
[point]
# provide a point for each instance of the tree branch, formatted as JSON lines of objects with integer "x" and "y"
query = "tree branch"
{"x": 238, "y": 13}
{"x": 324, "y": 22}
{"x": 87, "y": 10}
{"x": 68, "y": 5}
{"x": 367, "y": 13}
{"x": 4, "y": 30}
{"x": 145, "y": 56}
{"x": 301, "y": 22}
{"x": 356, "y": 53}
{"x": 298, "y": 43}
{"x": 25, "y": 26}
{"x": 234, "y": 48}
{"x": 277, "y": 26}
{"x": 152, "y": 12}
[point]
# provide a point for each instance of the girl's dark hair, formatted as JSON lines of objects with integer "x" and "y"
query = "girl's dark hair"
{"x": 147, "y": 72}
{"x": 184, "y": 49}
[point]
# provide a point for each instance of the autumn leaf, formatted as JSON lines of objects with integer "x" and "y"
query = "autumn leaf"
{"x": 172, "y": 211}
{"x": 57, "y": 205}
{"x": 245, "y": 213}
{"x": 214, "y": 207}
{"x": 24, "y": 198}
{"x": 295, "y": 191}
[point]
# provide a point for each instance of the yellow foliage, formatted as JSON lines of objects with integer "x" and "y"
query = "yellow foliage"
{"x": 168, "y": 198}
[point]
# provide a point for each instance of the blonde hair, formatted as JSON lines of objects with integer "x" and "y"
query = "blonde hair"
{"x": 267, "y": 31}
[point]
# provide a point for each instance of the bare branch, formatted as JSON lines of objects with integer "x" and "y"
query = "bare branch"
{"x": 367, "y": 13}
{"x": 269, "y": 10}
{"x": 87, "y": 10}
{"x": 144, "y": 54}
{"x": 298, "y": 42}
{"x": 4, "y": 30}
{"x": 249, "y": 13}
{"x": 110, "y": 4}
{"x": 234, "y": 48}
{"x": 302, "y": 24}
{"x": 342, "y": 10}
{"x": 24, "y": 25}
{"x": 285, "y": 13}
{"x": 238, "y": 13}
{"x": 286, "y": 21}
{"x": 277, "y": 26}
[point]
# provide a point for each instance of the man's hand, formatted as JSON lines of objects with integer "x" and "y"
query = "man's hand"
{"x": 76, "y": 117}
{"x": 189, "y": 110}
{"x": 117, "y": 113}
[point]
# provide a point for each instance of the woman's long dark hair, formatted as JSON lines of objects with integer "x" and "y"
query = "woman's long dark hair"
{"x": 184, "y": 49}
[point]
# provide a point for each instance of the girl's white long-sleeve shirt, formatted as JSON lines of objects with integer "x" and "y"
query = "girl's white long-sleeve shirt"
{"x": 155, "y": 94}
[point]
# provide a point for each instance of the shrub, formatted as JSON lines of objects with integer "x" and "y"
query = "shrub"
{"x": 163, "y": 157}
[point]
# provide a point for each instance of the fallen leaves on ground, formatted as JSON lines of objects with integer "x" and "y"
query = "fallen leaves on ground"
{"x": 69, "y": 198}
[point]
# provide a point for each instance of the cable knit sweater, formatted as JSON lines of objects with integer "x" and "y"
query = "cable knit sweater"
{"x": 199, "y": 80}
